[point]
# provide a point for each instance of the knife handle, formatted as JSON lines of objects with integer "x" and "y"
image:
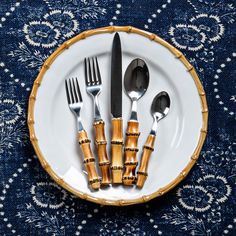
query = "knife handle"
{"x": 116, "y": 150}
{"x": 101, "y": 144}
{"x": 147, "y": 151}
{"x": 89, "y": 160}
{"x": 132, "y": 135}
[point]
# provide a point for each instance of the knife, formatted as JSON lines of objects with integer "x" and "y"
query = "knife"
{"x": 116, "y": 111}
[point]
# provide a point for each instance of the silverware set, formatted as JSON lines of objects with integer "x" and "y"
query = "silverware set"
{"x": 136, "y": 81}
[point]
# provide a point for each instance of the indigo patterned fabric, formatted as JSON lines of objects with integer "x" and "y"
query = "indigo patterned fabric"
{"x": 32, "y": 204}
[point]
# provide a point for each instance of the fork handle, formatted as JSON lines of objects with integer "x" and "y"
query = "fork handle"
{"x": 132, "y": 135}
{"x": 147, "y": 151}
{"x": 89, "y": 160}
{"x": 116, "y": 150}
{"x": 101, "y": 144}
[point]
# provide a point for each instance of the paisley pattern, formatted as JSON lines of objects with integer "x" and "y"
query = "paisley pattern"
{"x": 32, "y": 204}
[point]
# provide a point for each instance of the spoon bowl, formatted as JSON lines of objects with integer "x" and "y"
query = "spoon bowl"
{"x": 159, "y": 109}
{"x": 160, "y": 105}
{"x": 136, "y": 79}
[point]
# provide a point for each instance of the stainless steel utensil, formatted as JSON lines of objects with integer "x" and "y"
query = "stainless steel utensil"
{"x": 116, "y": 111}
{"x": 75, "y": 103}
{"x": 136, "y": 82}
{"x": 93, "y": 87}
{"x": 159, "y": 109}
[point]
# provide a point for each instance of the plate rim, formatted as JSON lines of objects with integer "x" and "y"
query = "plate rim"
{"x": 153, "y": 37}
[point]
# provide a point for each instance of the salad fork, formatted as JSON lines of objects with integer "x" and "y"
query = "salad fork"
{"x": 93, "y": 87}
{"x": 75, "y": 103}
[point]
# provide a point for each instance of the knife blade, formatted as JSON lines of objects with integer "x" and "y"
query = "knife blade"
{"x": 116, "y": 111}
{"x": 116, "y": 78}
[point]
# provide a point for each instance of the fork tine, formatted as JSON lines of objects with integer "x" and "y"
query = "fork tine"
{"x": 98, "y": 72}
{"x": 71, "y": 92}
{"x": 86, "y": 71}
{"x": 91, "y": 79}
{"x": 67, "y": 93}
{"x": 78, "y": 89}
{"x": 75, "y": 91}
{"x": 94, "y": 73}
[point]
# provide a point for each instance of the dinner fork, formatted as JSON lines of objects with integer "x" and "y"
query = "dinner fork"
{"x": 93, "y": 87}
{"x": 75, "y": 103}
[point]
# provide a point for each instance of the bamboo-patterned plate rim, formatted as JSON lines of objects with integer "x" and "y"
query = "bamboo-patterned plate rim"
{"x": 178, "y": 55}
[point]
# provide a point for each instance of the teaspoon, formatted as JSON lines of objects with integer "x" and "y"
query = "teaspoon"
{"x": 136, "y": 83}
{"x": 159, "y": 109}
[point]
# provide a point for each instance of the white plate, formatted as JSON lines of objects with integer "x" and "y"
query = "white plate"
{"x": 180, "y": 135}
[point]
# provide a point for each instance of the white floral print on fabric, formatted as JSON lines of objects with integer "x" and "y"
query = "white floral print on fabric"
{"x": 210, "y": 25}
{"x": 188, "y": 223}
{"x": 119, "y": 225}
{"x": 12, "y": 135}
{"x": 31, "y": 57}
{"x": 206, "y": 55}
{"x": 11, "y": 113}
{"x": 187, "y": 37}
{"x": 48, "y": 195}
{"x": 85, "y": 9}
{"x": 195, "y": 198}
{"x": 41, "y": 34}
{"x": 216, "y": 185}
{"x": 218, "y": 157}
{"x": 64, "y": 21}
{"x": 12, "y": 125}
{"x": 41, "y": 220}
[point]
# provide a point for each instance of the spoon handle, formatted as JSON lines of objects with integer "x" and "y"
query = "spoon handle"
{"x": 131, "y": 150}
{"x": 101, "y": 144}
{"x": 147, "y": 151}
{"x": 89, "y": 160}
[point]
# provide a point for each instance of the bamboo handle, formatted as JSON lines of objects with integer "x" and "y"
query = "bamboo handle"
{"x": 101, "y": 144}
{"x": 131, "y": 150}
{"x": 116, "y": 150}
{"x": 147, "y": 151}
{"x": 89, "y": 160}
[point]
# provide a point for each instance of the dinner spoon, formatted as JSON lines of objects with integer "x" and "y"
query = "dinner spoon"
{"x": 136, "y": 82}
{"x": 159, "y": 109}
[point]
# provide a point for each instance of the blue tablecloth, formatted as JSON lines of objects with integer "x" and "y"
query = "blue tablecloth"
{"x": 32, "y": 204}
